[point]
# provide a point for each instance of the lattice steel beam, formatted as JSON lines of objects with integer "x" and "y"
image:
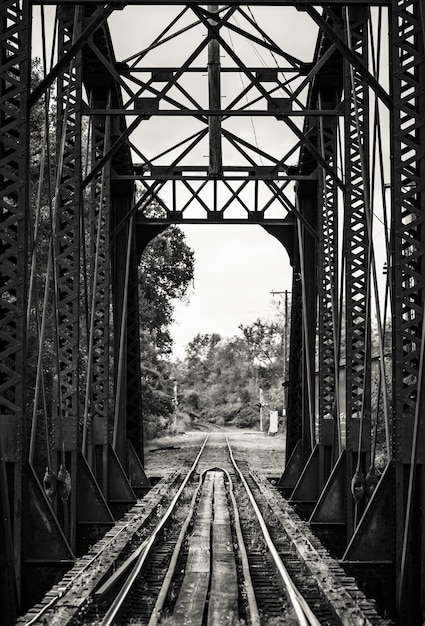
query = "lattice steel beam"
{"x": 408, "y": 273}
{"x": 409, "y": 215}
{"x": 14, "y": 151}
{"x": 98, "y": 387}
{"x": 357, "y": 207}
{"x": 328, "y": 262}
{"x": 67, "y": 232}
{"x": 295, "y": 364}
{"x": 14, "y": 164}
{"x": 134, "y": 376}
{"x": 301, "y": 4}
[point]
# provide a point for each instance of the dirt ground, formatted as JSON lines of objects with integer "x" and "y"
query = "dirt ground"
{"x": 265, "y": 454}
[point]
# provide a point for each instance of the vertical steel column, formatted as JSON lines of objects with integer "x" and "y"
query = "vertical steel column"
{"x": 294, "y": 408}
{"x": 14, "y": 195}
{"x": 98, "y": 400}
{"x": 357, "y": 205}
{"x": 408, "y": 275}
{"x": 67, "y": 248}
{"x": 287, "y": 235}
{"x": 134, "y": 375}
{"x": 307, "y": 194}
{"x": 122, "y": 259}
{"x": 328, "y": 306}
{"x": 214, "y": 121}
{"x": 301, "y": 383}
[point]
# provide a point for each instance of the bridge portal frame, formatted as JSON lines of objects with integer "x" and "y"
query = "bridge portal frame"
{"x": 402, "y": 478}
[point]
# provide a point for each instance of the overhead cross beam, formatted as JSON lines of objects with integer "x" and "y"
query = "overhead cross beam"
{"x": 300, "y": 4}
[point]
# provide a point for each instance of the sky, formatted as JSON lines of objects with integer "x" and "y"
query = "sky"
{"x": 236, "y": 269}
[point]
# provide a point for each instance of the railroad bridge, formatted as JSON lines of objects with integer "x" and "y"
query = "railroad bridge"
{"x": 155, "y": 106}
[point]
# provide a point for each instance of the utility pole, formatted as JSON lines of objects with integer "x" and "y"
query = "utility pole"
{"x": 286, "y": 295}
{"x": 261, "y": 409}
{"x": 214, "y": 121}
{"x": 176, "y": 403}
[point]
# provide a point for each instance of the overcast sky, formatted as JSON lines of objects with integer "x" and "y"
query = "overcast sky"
{"x": 236, "y": 268}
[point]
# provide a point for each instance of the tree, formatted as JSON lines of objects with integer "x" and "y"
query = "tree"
{"x": 165, "y": 274}
{"x": 220, "y": 378}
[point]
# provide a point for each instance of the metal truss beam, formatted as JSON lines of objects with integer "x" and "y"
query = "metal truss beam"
{"x": 349, "y": 54}
{"x": 186, "y": 112}
{"x": 14, "y": 170}
{"x": 67, "y": 235}
{"x": 357, "y": 248}
{"x": 134, "y": 376}
{"x": 409, "y": 215}
{"x": 295, "y": 365}
{"x": 408, "y": 274}
{"x": 96, "y": 21}
{"x": 67, "y": 257}
{"x": 14, "y": 151}
{"x": 151, "y": 93}
{"x": 328, "y": 305}
{"x": 357, "y": 261}
{"x": 301, "y": 4}
{"x": 312, "y": 474}
{"x": 97, "y": 401}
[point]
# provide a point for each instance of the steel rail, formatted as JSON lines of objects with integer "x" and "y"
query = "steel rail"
{"x": 73, "y": 580}
{"x": 162, "y": 596}
{"x": 252, "y": 602}
{"x": 302, "y": 610}
{"x": 119, "y": 600}
{"x": 63, "y": 590}
{"x": 249, "y": 588}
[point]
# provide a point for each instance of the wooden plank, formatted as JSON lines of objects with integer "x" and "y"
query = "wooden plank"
{"x": 223, "y": 605}
{"x": 190, "y": 605}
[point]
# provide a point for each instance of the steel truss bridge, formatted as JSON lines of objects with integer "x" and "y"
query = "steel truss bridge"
{"x": 306, "y": 118}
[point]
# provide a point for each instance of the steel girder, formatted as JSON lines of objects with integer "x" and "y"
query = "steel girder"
{"x": 300, "y": 4}
{"x": 128, "y": 411}
{"x": 326, "y": 94}
{"x": 329, "y": 323}
{"x": 308, "y": 475}
{"x": 408, "y": 64}
{"x": 408, "y": 276}
{"x": 100, "y": 284}
{"x": 67, "y": 232}
{"x": 97, "y": 410}
{"x": 356, "y": 229}
{"x": 67, "y": 259}
{"x": 390, "y": 532}
{"x": 349, "y": 27}
{"x": 14, "y": 163}
{"x": 328, "y": 277}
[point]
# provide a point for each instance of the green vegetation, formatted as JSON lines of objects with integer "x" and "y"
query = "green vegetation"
{"x": 165, "y": 273}
{"x": 220, "y": 378}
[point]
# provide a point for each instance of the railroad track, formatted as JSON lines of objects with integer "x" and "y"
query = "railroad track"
{"x": 217, "y": 546}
